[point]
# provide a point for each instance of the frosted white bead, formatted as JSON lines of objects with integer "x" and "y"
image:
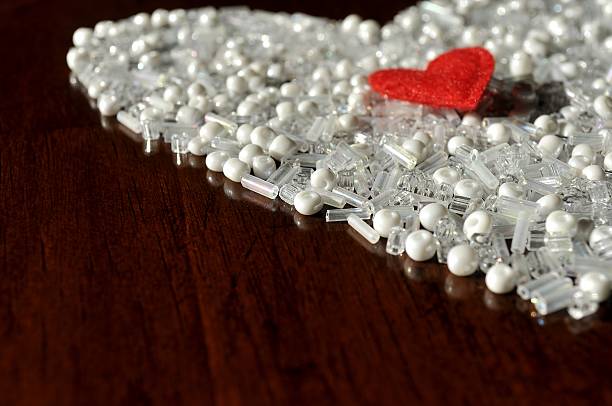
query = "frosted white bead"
{"x": 501, "y": 278}
{"x": 263, "y": 166}
{"x": 420, "y": 245}
{"x": 234, "y": 169}
{"x": 603, "y": 106}
{"x": 551, "y": 145}
{"x": 262, "y": 136}
{"x": 323, "y": 178}
{"x": 594, "y": 172}
{"x": 561, "y": 222}
{"x": 498, "y": 133}
{"x": 595, "y": 283}
{"x": 189, "y": 115}
{"x": 248, "y": 152}
{"x": 546, "y": 123}
{"x": 511, "y": 189}
{"x": 211, "y": 130}
{"x": 308, "y": 202}
{"x": 431, "y": 214}
{"x": 281, "y": 146}
{"x": 599, "y": 233}
{"x": 446, "y": 175}
{"x": 243, "y": 134}
{"x": 468, "y": 188}
{"x": 108, "y": 104}
{"x": 478, "y": 222}
{"x": 549, "y": 203}
{"x": 216, "y": 159}
{"x": 462, "y": 260}
{"x": 384, "y": 220}
{"x": 457, "y": 141}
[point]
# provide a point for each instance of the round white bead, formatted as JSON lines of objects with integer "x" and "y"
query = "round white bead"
{"x": 603, "y": 106}
{"x": 447, "y": 175}
{"x": 594, "y": 172}
{"x": 211, "y": 130}
{"x": 478, "y": 222}
{"x": 307, "y": 108}
{"x": 521, "y": 64}
{"x": 195, "y": 146}
{"x": 471, "y": 119}
{"x": 423, "y": 137}
{"x": 285, "y": 110}
{"x": 549, "y": 203}
{"x": 546, "y": 123}
{"x": 243, "y": 134}
{"x": 234, "y": 169}
{"x": 173, "y": 94}
{"x": 595, "y": 283}
{"x": 236, "y": 85}
{"x": 263, "y": 166}
{"x": 421, "y": 245}
{"x": 82, "y": 37}
{"x": 262, "y": 136}
{"x": 498, "y": 133}
{"x": 561, "y": 222}
{"x": 415, "y": 147}
{"x": 462, "y": 260}
{"x": 431, "y": 214}
{"x": 308, "y": 202}
{"x": 551, "y": 145}
{"x": 384, "y": 220}
{"x": 584, "y": 150}
{"x": 468, "y": 188}
{"x": 290, "y": 89}
{"x": 600, "y": 233}
{"x": 511, "y": 189}
{"x": 323, "y": 178}
{"x": 200, "y": 102}
{"x": 348, "y": 122}
{"x": 608, "y": 162}
{"x": 108, "y": 104}
{"x": 501, "y": 278}
{"x": 248, "y": 152}
{"x": 281, "y": 146}
{"x": 216, "y": 160}
{"x": 457, "y": 141}
{"x": 579, "y": 163}
{"x": 189, "y": 115}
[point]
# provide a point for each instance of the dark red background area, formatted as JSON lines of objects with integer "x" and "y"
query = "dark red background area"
{"x": 125, "y": 279}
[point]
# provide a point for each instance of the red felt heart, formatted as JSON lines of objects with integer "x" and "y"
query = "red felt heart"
{"x": 456, "y": 79}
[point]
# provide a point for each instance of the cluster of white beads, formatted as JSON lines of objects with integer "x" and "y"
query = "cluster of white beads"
{"x": 281, "y": 104}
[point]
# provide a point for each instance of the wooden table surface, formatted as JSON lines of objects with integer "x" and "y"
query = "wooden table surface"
{"x": 126, "y": 279}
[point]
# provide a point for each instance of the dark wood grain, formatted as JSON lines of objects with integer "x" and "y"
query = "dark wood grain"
{"x": 126, "y": 279}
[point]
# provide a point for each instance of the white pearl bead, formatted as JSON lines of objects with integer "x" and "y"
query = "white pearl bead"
{"x": 384, "y": 220}
{"x": 234, "y": 169}
{"x": 323, "y": 178}
{"x": 468, "y": 188}
{"x": 290, "y": 89}
{"x": 478, "y": 222}
{"x": 343, "y": 69}
{"x": 285, "y": 110}
{"x": 281, "y": 146}
{"x": 431, "y": 214}
{"x": 416, "y": 148}
{"x": 498, "y": 133}
{"x": 173, "y": 94}
{"x": 77, "y": 59}
{"x": 551, "y": 145}
{"x": 196, "y": 89}
{"x": 594, "y": 172}
{"x": 521, "y": 64}
{"x": 82, "y": 37}
{"x": 262, "y": 136}
{"x": 420, "y": 245}
{"x": 150, "y": 114}
{"x": 447, "y": 175}
{"x": 584, "y": 150}
{"x": 342, "y": 88}
{"x": 243, "y": 134}
{"x": 247, "y": 108}
{"x": 221, "y": 102}
{"x": 108, "y": 104}
{"x": 457, "y": 141}
{"x": 608, "y": 162}
{"x": 216, "y": 160}
{"x": 595, "y": 283}
{"x": 189, "y": 115}
{"x": 201, "y": 103}
{"x": 236, "y": 85}
{"x": 348, "y": 122}
{"x": 600, "y": 233}
{"x": 549, "y": 203}
{"x": 501, "y": 278}
{"x": 248, "y": 152}
{"x": 195, "y": 146}
{"x": 603, "y": 106}
{"x": 471, "y": 119}
{"x": 423, "y": 137}
{"x": 561, "y": 222}
{"x": 462, "y": 260}
{"x": 211, "y": 130}
{"x": 159, "y": 18}
{"x": 308, "y": 202}
{"x": 579, "y": 163}
{"x": 263, "y": 166}
{"x": 511, "y": 189}
{"x": 547, "y": 124}
{"x": 321, "y": 74}
{"x": 350, "y": 24}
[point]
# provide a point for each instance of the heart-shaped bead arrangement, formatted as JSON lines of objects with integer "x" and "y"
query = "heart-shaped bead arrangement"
{"x": 282, "y": 104}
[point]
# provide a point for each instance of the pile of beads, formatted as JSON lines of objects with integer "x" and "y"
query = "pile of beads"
{"x": 519, "y": 189}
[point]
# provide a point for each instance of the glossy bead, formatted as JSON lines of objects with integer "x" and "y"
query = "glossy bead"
{"x": 597, "y": 284}
{"x": 600, "y": 233}
{"x": 189, "y": 115}
{"x": 211, "y": 130}
{"x": 608, "y": 162}
{"x": 546, "y": 123}
{"x": 423, "y": 137}
{"x": 308, "y": 202}
{"x": 323, "y": 178}
{"x": 478, "y": 222}
{"x": 307, "y": 108}
{"x": 446, "y": 175}
{"x": 551, "y": 145}
{"x": 415, "y": 147}
{"x": 234, "y": 169}
{"x": 262, "y": 136}
{"x": 468, "y": 188}
{"x": 549, "y": 203}
{"x": 594, "y": 172}
{"x": 457, "y": 141}
{"x": 430, "y": 215}
{"x": 579, "y": 163}
{"x": 200, "y": 102}
{"x": 471, "y": 119}
{"x": 247, "y": 108}
{"x": 498, "y": 133}
{"x": 348, "y": 122}
{"x": 173, "y": 94}
{"x": 216, "y": 159}
{"x": 195, "y": 146}
{"x": 603, "y": 106}
{"x": 384, "y": 220}
{"x": 501, "y": 278}
{"x": 108, "y": 105}
{"x": 236, "y": 85}
{"x": 462, "y": 260}
{"x": 281, "y": 146}
{"x": 511, "y": 189}
{"x": 561, "y": 222}
{"x": 248, "y": 152}
{"x": 263, "y": 166}
{"x": 584, "y": 150}
{"x": 290, "y": 89}
{"x": 243, "y": 134}
{"x": 82, "y": 37}
{"x": 285, "y": 110}
{"x": 521, "y": 64}
{"x": 420, "y": 245}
